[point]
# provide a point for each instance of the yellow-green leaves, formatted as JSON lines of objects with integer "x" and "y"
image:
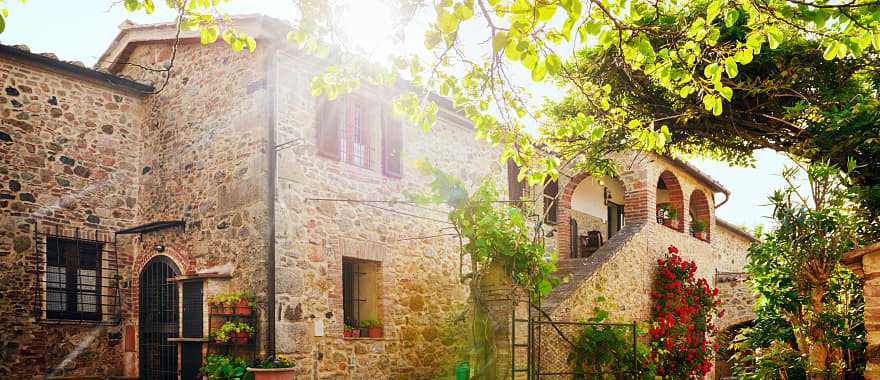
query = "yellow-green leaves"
{"x": 712, "y": 103}
{"x": 499, "y": 41}
{"x": 774, "y": 36}
{"x": 731, "y": 18}
{"x": 447, "y": 22}
{"x": 712, "y": 10}
{"x": 835, "y": 49}
{"x": 730, "y": 67}
{"x": 726, "y": 93}
{"x": 743, "y": 56}
{"x": 209, "y": 34}
{"x": 554, "y": 64}
{"x": 539, "y": 71}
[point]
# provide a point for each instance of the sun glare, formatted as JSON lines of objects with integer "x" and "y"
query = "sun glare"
{"x": 368, "y": 26}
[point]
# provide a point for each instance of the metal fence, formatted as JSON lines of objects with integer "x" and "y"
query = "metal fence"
{"x": 543, "y": 349}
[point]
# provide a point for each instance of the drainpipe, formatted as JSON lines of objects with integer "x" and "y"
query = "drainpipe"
{"x": 726, "y": 198}
{"x": 271, "y": 158}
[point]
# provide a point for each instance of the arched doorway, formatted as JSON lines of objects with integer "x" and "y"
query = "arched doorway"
{"x": 591, "y": 212}
{"x": 723, "y": 362}
{"x": 670, "y": 201}
{"x": 157, "y": 320}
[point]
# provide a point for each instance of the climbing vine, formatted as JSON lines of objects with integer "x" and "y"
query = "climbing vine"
{"x": 682, "y": 328}
{"x": 498, "y": 247}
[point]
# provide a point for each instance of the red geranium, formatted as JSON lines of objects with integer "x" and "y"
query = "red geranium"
{"x": 682, "y": 326}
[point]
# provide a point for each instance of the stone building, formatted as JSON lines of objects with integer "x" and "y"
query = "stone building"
{"x": 128, "y": 198}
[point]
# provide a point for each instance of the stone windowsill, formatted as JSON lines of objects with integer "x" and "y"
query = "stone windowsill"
{"x": 365, "y": 338}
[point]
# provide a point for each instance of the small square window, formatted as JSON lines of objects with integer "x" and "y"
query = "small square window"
{"x": 361, "y": 290}
{"x": 73, "y": 279}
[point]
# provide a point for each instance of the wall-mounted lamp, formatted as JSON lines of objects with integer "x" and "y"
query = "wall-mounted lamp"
{"x": 159, "y": 248}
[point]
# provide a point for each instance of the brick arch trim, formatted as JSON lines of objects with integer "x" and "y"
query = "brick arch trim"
{"x": 700, "y": 206}
{"x": 563, "y": 228}
{"x": 676, "y": 196}
{"x": 739, "y": 321}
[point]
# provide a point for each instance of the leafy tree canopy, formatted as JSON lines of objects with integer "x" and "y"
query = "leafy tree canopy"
{"x": 709, "y": 77}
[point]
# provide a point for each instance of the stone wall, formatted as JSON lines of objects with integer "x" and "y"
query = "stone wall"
{"x": 420, "y": 286}
{"x": 70, "y": 149}
{"x": 204, "y": 148}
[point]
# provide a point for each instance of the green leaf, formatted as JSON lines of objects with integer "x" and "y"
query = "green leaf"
{"x": 447, "y": 22}
{"x": 2, "y": 24}
{"x": 830, "y": 51}
{"x": 546, "y": 12}
{"x": 209, "y": 34}
{"x": 554, "y": 64}
{"x": 712, "y": 11}
{"x": 744, "y": 56}
{"x": 149, "y": 7}
{"x": 711, "y": 70}
{"x": 774, "y": 36}
{"x": 731, "y": 67}
{"x": 708, "y": 101}
{"x": 726, "y": 92}
{"x": 539, "y": 72}
{"x": 717, "y": 107}
{"x": 132, "y": 5}
{"x": 464, "y": 12}
{"x": 499, "y": 41}
{"x": 731, "y": 18}
{"x": 251, "y": 43}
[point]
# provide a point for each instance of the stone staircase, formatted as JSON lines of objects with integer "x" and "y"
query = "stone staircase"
{"x": 573, "y": 272}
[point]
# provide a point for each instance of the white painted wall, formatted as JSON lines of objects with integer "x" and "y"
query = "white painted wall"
{"x": 587, "y": 196}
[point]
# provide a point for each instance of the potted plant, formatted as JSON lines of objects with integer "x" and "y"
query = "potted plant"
{"x": 226, "y": 332}
{"x": 667, "y": 214}
{"x": 245, "y": 303}
{"x": 243, "y": 333}
{"x": 698, "y": 228}
{"x": 223, "y": 303}
{"x": 219, "y": 367}
{"x": 374, "y": 328}
{"x": 351, "y": 332}
{"x": 273, "y": 368}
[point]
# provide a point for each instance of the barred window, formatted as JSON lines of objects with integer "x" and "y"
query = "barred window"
{"x": 73, "y": 279}
{"x": 77, "y": 276}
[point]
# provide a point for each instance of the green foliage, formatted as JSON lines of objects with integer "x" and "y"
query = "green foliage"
{"x": 232, "y": 298}
{"x": 277, "y": 361}
{"x": 492, "y": 232}
{"x": 808, "y": 302}
{"x": 605, "y": 351}
{"x": 368, "y": 323}
{"x": 219, "y": 367}
{"x": 499, "y": 247}
{"x": 698, "y": 225}
{"x": 228, "y": 329}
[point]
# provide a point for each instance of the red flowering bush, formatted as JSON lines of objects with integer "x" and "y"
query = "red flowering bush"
{"x": 682, "y": 320}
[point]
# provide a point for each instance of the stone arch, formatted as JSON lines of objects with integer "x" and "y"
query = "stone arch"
{"x": 723, "y": 366}
{"x": 564, "y": 212}
{"x": 699, "y": 210}
{"x": 669, "y": 195}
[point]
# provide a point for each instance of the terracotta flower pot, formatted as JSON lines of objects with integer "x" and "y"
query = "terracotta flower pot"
{"x": 356, "y": 333}
{"x": 346, "y": 333}
{"x": 364, "y": 332}
{"x": 374, "y": 332}
{"x": 272, "y": 373}
{"x": 242, "y": 337}
{"x": 243, "y": 308}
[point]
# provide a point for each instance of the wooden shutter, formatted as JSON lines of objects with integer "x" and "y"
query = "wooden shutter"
{"x": 514, "y": 186}
{"x": 551, "y": 201}
{"x": 392, "y": 144}
{"x": 327, "y": 124}
{"x": 193, "y": 309}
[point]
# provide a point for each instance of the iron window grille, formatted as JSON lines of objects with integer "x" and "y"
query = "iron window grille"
{"x": 77, "y": 276}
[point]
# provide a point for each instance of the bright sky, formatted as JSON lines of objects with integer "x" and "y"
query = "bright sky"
{"x": 80, "y": 30}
